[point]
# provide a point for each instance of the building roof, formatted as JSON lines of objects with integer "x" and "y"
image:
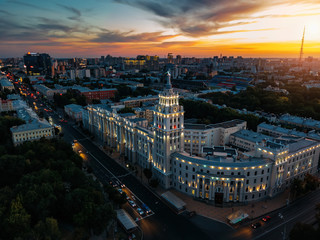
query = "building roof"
{"x": 74, "y": 107}
{"x": 304, "y": 143}
{"x": 289, "y": 132}
{"x": 174, "y": 200}
{"x": 307, "y": 122}
{"x": 151, "y": 97}
{"x": 227, "y": 124}
{"x": 29, "y": 127}
{"x": 6, "y": 83}
{"x": 221, "y": 161}
{"x": 125, "y": 219}
{"x": 251, "y": 136}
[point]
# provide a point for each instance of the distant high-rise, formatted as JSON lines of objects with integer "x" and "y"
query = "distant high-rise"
{"x": 38, "y": 64}
{"x": 301, "y": 49}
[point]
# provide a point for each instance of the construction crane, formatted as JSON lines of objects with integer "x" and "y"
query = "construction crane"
{"x": 301, "y": 49}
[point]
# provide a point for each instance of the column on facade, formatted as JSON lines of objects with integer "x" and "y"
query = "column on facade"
{"x": 235, "y": 191}
{"x": 225, "y": 186}
{"x": 213, "y": 190}
{"x": 210, "y": 189}
{"x": 198, "y": 187}
{"x": 241, "y": 198}
{"x": 203, "y": 189}
{"x": 228, "y": 191}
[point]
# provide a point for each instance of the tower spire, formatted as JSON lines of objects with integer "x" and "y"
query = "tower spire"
{"x": 168, "y": 77}
{"x": 301, "y": 49}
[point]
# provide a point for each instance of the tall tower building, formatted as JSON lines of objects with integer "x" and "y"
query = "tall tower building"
{"x": 168, "y": 132}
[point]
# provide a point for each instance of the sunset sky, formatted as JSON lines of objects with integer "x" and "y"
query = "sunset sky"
{"x": 200, "y": 28}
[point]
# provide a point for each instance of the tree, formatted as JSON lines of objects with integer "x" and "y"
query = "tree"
{"x": 18, "y": 222}
{"x": 48, "y": 230}
{"x": 154, "y": 182}
{"x": 148, "y": 173}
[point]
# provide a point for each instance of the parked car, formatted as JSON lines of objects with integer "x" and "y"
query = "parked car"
{"x": 120, "y": 190}
{"x": 140, "y": 211}
{"x": 146, "y": 208}
{"x": 256, "y": 225}
{"x": 266, "y": 218}
{"x": 132, "y": 203}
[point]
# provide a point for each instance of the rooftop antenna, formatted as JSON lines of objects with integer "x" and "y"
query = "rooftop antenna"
{"x": 301, "y": 49}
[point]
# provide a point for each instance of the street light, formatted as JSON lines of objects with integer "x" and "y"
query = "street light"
{"x": 284, "y": 228}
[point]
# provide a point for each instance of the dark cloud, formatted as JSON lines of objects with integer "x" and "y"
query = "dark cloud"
{"x": 109, "y": 36}
{"x": 5, "y": 12}
{"x": 76, "y": 12}
{"x": 27, "y": 4}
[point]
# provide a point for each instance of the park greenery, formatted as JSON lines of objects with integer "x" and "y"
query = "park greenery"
{"x": 208, "y": 114}
{"x": 300, "y": 101}
{"x": 44, "y": 192}
{"x": 124, "y": 91}
{"x": 71, "y": 97}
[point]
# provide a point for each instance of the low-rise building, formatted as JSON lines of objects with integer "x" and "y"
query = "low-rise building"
{"x": 74, "y": 111}
{"x": 6, "y": 84}
{"x": 198, "y": 136}
{"x": 6, "y": 105}
{"x": 31, "y": 132}
{"x": 300, "y": 121}
{"x": 48, "y": 92}
{"x": 104, "y": 93}
{"x": 137, "y": 101}
{"x": 247, "y": 140}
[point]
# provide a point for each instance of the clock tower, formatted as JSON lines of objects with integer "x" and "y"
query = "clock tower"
{"x": 168, "y": 125}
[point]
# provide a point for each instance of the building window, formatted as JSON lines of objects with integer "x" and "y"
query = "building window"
{"x": 248, "y": 174}
{"x": 247, "y": 181}
{"x": 255, "y": 173}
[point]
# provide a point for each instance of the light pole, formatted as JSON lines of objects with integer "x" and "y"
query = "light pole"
{"x": 284, "y": 228}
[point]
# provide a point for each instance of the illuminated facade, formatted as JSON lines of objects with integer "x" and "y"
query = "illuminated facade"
{"x": 218, "y": 174}
{"x": 168, "y": 133}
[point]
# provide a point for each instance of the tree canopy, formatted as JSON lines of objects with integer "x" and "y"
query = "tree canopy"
{"x": 42, "y": 185}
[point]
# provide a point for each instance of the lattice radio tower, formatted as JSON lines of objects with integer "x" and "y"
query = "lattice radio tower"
{"x": 301, "y": 49}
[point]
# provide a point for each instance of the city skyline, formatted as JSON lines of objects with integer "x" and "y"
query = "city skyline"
{"x": 190, "y": 28}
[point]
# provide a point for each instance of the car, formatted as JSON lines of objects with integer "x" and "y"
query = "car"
{"x": 146, "y": 208}
{"x": 75, "y": 140}
{"x": 256, "y": 225}
{"x": 120, "y": 190}
{"x": 266, "y": 218}
{"x": 132, "y": 203}
{"x": 122, "y": 185}
{"x": 140, "y": 211}
{"x": 79, "y": 151}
